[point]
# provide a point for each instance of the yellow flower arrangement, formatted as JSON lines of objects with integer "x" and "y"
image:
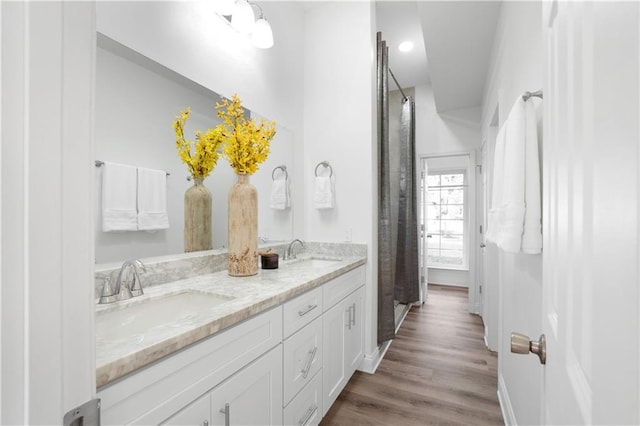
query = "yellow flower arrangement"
{"x": 246, "y": 142}
{"x": 204, "y": 159}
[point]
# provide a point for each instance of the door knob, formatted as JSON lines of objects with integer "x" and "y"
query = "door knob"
{"x": 482, "y": 245}
{"x": 520, "y": 344}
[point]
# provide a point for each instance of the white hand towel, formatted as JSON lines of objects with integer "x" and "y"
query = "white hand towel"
{"x": 119, "y": 211}
{"x": 512, "y": 204}
{"x": 323, "y": 193}
{"x": 532, "y": 234}
{"x": 152, "y": 200}
{"x": 279, "y": 199}
{"x": 515, "y": 213}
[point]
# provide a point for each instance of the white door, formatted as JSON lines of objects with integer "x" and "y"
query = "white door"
{"x": 47, "y": 361}
{"x": 590, "y": 196}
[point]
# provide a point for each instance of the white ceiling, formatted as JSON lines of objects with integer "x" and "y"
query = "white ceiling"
{"x": 455, "y": 36}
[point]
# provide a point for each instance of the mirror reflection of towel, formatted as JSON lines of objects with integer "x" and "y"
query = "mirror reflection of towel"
{"x": 280, "y": 198}
{"x": 323, "y": 193}
{"x": 119, "y": 186}
{"x": 152, "y": 200}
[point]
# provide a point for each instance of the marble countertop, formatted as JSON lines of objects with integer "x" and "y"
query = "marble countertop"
{"x": 134, "y": 341}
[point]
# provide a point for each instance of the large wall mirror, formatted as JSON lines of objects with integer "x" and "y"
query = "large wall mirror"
{"x": 136, "y": 101}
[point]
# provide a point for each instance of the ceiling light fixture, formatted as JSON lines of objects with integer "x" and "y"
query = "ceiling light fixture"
{"x": 243, "y": 20}
{"x": 262, "y": 36}
{"x": 405, "y": 46}
{"x": 224, "y": 7}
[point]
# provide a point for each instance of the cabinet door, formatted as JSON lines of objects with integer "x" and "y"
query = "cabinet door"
{"x": 334, "y": 377}
{"x": 252, "y": 396}
{"x": 197, "y": 413}
{"x": 355, "y": 332}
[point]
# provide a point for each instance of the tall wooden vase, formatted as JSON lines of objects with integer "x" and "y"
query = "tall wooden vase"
{"x": 197, "y": 217}
{"x": 243, "y": 228}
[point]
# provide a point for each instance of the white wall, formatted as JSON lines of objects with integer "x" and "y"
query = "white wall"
{"x": 517, "y": 66}
{"x": 339, "y": 127}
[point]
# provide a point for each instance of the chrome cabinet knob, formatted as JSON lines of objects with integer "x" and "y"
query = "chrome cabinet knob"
{"x": 521, "y": 344}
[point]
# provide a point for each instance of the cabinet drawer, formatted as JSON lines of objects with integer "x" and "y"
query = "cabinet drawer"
{"x": 302, "y": 358}
{"x": 338, "y": 288}
{"x": 301, "y": 311}
{"x": 306, "y": 407}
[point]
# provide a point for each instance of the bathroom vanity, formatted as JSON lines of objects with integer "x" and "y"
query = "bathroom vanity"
{"x": 275, "y": 348}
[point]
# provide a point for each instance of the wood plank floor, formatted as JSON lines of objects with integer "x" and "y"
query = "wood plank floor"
{"x": 436, "y": 371}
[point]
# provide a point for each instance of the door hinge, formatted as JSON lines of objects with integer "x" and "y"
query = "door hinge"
{"x": 480, "y": 288}
{"x": 422, "y": 279}
{"x": 86, "y": 414}
{"x": 481, "y": 229}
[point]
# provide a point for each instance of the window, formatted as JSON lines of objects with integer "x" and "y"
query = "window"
{"x": 446, "y": 217}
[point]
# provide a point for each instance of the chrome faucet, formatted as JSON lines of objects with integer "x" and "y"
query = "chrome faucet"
{"x": 290, "y": 254}
{"x": 122, "y": 284}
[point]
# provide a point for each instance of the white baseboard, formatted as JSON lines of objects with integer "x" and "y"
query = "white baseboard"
{"x": 508, "y": 415}
{"x": 370, "y": 362}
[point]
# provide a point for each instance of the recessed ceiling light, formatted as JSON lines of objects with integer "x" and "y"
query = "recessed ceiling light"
{"x": 405, "y": 46}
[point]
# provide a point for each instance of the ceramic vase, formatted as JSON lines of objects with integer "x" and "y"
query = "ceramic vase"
{"x": 243, "y": 228}
{"x": 197, "y": 217}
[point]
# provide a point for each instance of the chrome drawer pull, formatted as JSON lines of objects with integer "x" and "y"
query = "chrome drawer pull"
{"x": 312, "y": 355}
{"x": 307, "y": 417}
{"x": 227, "y": 413}
{"x": 354, "y": 314}
{"x": 307, "y": 310}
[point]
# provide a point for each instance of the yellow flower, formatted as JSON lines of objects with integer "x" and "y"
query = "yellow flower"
{"x": 246, "y": 143}
{"x": 201, "y": 162}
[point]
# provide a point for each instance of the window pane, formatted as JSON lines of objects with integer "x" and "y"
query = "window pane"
{"x": 433, "y": 180}
{"x": 452, "y": 196}
{"x": 450, "y": 227}
{"x": 452, "y": 212}
{"x": 434, "y": 196}
{"x": 433, "y": 227}
{"x": 433, "y": 242}
{"x": 453, "y": 179}
{"x": 433, "y": 212}
{"x": 451, "y": 257}
{"x": 452, "y": 242}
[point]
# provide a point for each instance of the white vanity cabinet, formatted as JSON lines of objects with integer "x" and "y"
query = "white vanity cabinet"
{"x": 342, "y": 333}
{"x": 159, "y": 392}
{"x": 286, "y": 366}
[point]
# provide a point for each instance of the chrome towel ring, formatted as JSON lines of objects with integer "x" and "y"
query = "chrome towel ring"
{"x": 326, "y": 165}
{"x": 284, "y": 170}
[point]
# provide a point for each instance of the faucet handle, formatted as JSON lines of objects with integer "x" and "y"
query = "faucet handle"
{"x": 108, "y": 294}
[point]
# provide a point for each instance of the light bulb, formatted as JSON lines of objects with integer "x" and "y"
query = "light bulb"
{"x": 243, "y": 18}
{"x": 405, "y": 46}
{"x": 262, "y": 36}
{"x": 224, "y": 7}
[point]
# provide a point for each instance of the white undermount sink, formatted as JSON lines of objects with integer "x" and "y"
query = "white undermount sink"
{"x": 136, "y": 317}
{"x": 312, "y": 262}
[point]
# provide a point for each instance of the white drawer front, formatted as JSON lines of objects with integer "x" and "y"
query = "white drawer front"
{"x": 338, "y": 288}
{"x": 306, "y": 407}
{"x": 301, "y": 311}
{"x": 302, "y": 358}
